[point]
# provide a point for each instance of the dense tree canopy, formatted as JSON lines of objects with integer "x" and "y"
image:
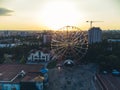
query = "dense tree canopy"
{"x": 103, "y": 55}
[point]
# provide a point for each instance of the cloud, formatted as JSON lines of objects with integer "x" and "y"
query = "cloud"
{"x": 5, "y": 12}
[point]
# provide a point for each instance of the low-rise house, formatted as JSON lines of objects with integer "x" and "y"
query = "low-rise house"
{"x": 113, "y": 40}
{"x": 36, "y": 56}
{"x": 21, "y": 77}
{"x": 8, "y": 45}
{"x": 32, "y": 81}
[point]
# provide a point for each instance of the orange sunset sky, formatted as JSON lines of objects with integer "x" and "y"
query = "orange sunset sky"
{"x": 54, "y": 14}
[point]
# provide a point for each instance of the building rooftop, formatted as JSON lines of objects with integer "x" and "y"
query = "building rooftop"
{"x": 33, "y": 77}
{"x": 44, "y": 50}
{"x": 10, "y": 72}
{"x": 95, "y": 28}
{"x": 113, "y": 40}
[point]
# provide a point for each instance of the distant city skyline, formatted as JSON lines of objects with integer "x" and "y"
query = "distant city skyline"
{"x": 54, "y": 14}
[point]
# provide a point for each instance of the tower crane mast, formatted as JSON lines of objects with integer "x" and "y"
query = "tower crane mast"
{"x": 91, "y": 22}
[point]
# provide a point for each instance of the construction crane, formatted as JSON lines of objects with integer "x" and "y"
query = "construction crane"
{"x": 91, "y": 22}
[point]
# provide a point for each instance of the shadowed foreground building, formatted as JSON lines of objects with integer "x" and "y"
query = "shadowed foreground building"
{"x": 21, "y": 77}
{"x": 94, "y": 35}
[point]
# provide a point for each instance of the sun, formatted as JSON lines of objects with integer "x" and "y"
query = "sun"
{"x": 58, "y": 14}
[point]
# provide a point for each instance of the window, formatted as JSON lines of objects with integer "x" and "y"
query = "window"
{"x": 43, "y": 57}
{"x": 6, "y": 88}
{"x": 13, "y": 88}
{"x": 39, "y": 54}
{"x": 41, "y": 86}
{"x": 46, "y": 58}
{"x": 35, "y": 57}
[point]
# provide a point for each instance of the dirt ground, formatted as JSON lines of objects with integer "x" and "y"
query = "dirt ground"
{"x": 72, "y": 78}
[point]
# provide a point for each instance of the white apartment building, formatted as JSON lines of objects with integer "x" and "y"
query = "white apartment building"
{"x": 38, "y": 56}
{"x": 94, "y": 35}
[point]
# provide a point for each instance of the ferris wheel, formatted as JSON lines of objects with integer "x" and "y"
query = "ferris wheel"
{"x": 69, "y": 42}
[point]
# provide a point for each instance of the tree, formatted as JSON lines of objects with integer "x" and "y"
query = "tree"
{"x": 23, "y": 60}
{"x": 113, "y": 61}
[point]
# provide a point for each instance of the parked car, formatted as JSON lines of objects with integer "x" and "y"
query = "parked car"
{"x": 115, "y": 72}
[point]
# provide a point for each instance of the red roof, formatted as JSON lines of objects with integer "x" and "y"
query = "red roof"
{"x": 9, "y": 71}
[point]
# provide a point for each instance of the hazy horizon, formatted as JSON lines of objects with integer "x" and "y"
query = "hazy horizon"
{"x": 54, "y": 14}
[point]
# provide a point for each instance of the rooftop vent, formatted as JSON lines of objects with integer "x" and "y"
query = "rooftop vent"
{"x": 22, "y": 73}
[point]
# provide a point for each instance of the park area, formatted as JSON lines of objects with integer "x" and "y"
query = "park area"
{"x": 72, "y": 78}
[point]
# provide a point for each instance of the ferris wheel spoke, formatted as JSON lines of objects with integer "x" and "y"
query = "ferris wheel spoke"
{"x": 61, "y": 51}
{"x": 56, "y": 49}
{"x": 79, "y": 43}
{"x": 74, "y": 52}
{"x": 58, "y": 45}
{"x": 75, "y": 36}
{"x": 78, "y": 39}
{"x": 71, "y": 54}
{"x": 61, "y": 37}
{"x": 79, "y": 51}
{"x": 76, "y": 43}
{"x": 80, "y": 47}
{"x": 82, "y": 51}
{"x": 56, "y": 41}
